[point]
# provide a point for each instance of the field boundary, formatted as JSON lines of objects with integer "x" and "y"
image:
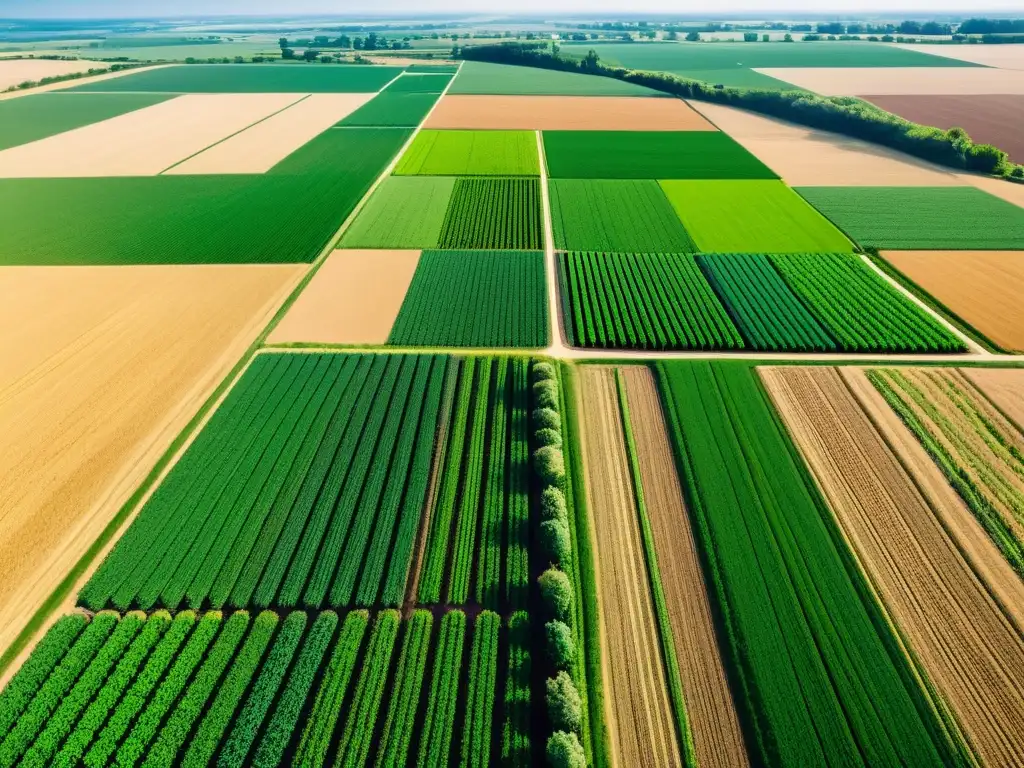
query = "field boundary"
{"x": 51, "y": 87}
{"x": 557, "y": 324}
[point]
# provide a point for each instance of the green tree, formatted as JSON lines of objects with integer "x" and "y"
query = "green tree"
{"x": 560, "y": 644}
{"x": 554, "y": 536}
{"x": 693, "y": 37}
{"x": 565, "y": 710}
{"x": 556, "y": 592}
{"x": 565, "y": 751}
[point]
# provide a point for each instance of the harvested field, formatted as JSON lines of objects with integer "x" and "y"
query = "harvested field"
{"x": 566, "y": 113}
{"x": 144, "y": 142}
{"x": 471, "y": 153}
{"x": 981, "y": 287}
{"x": 1004, "y": 387}
{"x": 710, "y": 710}
{"x": 354, "y": 298}
{"x": 21, "y": 70}
{"x": 899, "y": 81}
{"x": 804, "y": 156}
{"x": 987, "y": 119}
{"x": 1004, "y": 56}
{"x": 968, "y": 647}
{"x": 404, "y": 212}
{"x": 102, "y": 369}
{"x": 259, "y": 148}
{"x": 637, "y": 707}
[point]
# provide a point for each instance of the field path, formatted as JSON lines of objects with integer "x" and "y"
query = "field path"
{"x": 710, "y": 710}
{"x": 964, "y": 641}
{"x": 637, "y": 707}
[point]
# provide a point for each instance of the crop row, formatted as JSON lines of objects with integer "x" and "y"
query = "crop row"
{"x": 475, "y": 299}
{"x": 493, "y": 214}
{"x": 823, "y": 678}
{"x": 230, "y": 690}
{"x": 777, "y": 302}
{"x": 306, "y": 488}
{"x": 479, "y": 522}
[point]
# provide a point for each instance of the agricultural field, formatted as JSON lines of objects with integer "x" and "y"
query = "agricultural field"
{"x": 756, "y": 216}
{"x": 404, "y": 212}
{"x": 419, "y": 83}
{"x": 481, "y": 78}
{"x": 390, "y": 108}
{"x": 15, "y": 72}
{"x": 471, "y": 153}
{"x": 921, "y": 218}
{"x": 493, "y": 214}
{"x": 475, "y": 299}
{"x": 1003, "y": 386}
{"x": 957, "y": 80}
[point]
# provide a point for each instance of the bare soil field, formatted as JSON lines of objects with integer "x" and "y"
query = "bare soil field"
{"x": 354, "y": 298}
{"x": 965, "y": 643}
{"x": 144, "y": 142}
{"x": 264, "y": 145}
{"x": 1004, "y": 387}
{"x": 1003, "y": 56}
{"x": 71, "y": 83}
{"x": 988, "y": 119}
{"x": 982, "y": 287}
{"x": 899, "y": 81}
{"x": 20, "y": 70}
{"x": 637, "y": 707}
{"x": 566, "y": 113}
{"x": 710, "y": 710}
{"x": 103, "y": 367}
{"x": 805, "y": 157}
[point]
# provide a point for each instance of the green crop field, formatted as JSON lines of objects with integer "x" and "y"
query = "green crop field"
{"x": 751, "y": 216}
{"x": 816, "y": 664}
{"x": 250, "y": 78}
{"x": 615, "y": 216}
{"x": 475, "y": 299}
{"x": 286, "y": 215}
{"x": 389, "y": 108}
{"x": 494, "y": 214}
{"x": 921, "y": 218}
{"x": 767, "y": 313}
{"x": 649, "y": 155}
{"x": 404, "y": 212}
{"x": 31, "y": 118}
{"x": 479, "y": 77}
{"x": 861, "y": 311}
{"x": 471, "y": 153}
{"x": 419, "y": 83}
{"x": 642, "y": 301}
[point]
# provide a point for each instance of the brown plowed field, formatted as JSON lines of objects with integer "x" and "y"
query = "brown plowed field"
{"x": 566, "y": 113}
{"x": 982, "y": 287}
{"x": 102, "y": 368}
{"x": 637, "y": 707}
{"x": 710, "y": 710}
{"x": 964, "y": 641}
{"x": 990, "y": 119}
{"x": 1004, "y": 387}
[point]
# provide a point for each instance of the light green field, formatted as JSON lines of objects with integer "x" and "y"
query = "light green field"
{"x": 751, "y": 216}
{"x": 404, "y": 212}
{"x": 479, "y": 78}
{"x": 471, "y": 153}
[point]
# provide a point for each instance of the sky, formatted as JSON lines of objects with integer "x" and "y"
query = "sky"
{"x": 170, "y": 8}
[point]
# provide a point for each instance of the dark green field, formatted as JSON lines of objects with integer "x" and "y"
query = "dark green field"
{"x": 390, "y": 108}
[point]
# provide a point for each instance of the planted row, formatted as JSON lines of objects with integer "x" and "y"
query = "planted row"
{"x": 494, "y": 214}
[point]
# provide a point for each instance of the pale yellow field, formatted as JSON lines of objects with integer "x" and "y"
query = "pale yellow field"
{"x": 19, "y": 70}
{"x": 144, "y": 142}
{"x": 896, "y": 81}
{"x": 1003, "y": 56}
{"x": 805, "y": 157}
{"x": 102, "y": 368}
{"x": 264, "y": 145}
{"x": 1007, "y": 190}
{"x": 354, "y": 298}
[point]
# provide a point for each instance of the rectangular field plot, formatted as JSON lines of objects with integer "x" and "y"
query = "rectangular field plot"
{"x": 572, "y": 113}
{"x": 751, "y": 216}
{"x": 306, "y": 488}
{"x": 240, "y": 689}
{"x": 494, "y": 214}
{"x": 419, "y": 83}
{"x": 477, "y": 77}
{"x": 642, "y": 301}
{"x": 31, "y": 118}
{"x": 250, "y": 78}
{"x": 471, "y": 153}
{"x": 287, "y": 215}
{"x": 615, "y": 215}
{"x": 475, "y": 299}
{"x": 388, "y": 108}
{"x": 982, "y": 288}
{"x": 144, "y": 142}
{"x": 404, "y": 212}
{"x": 649, "y": 155}
{"x": 921, "y": 218}
{"x": 898, "y": 81}
{"x": 779, "y": 569}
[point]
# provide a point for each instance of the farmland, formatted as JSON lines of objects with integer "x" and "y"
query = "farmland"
{"x": 404, "y": 212}
{"x": 493, "y": 214}
{"x": 392, "y": 108}
{"x": 479, "y": 77}
{"x": 471, "y": 153}
{"x": 475, "y": 299}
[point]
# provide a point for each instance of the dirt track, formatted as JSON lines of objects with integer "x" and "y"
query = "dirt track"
{"x": 637, "y": 707}
{"x": 710, "y": 709}
{"x": 965, "y": 642}
{"x": 923, "y": 81}
{"x": 1003, "y": 387}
